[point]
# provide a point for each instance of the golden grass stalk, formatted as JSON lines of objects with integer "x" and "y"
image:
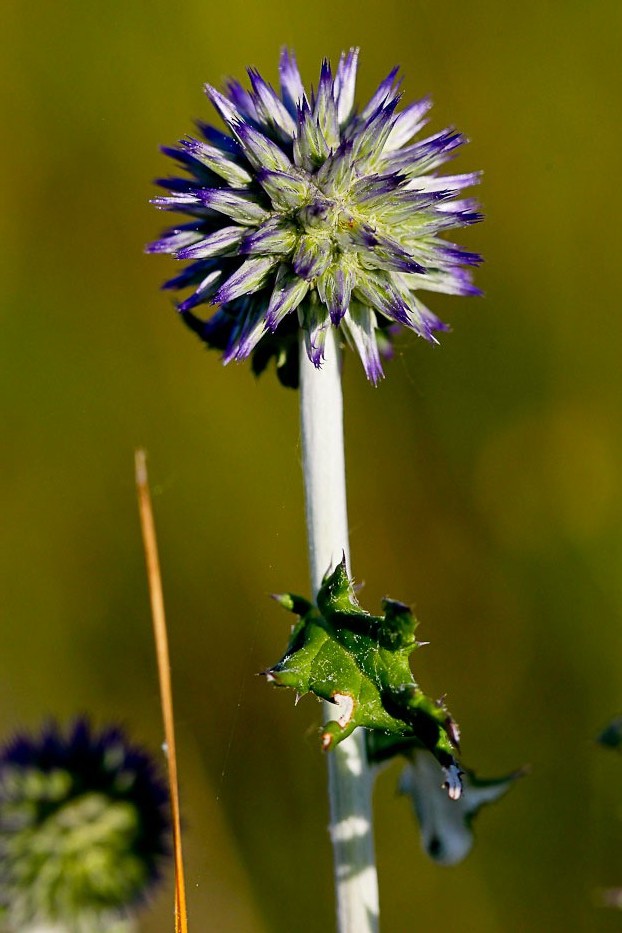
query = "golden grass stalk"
{"x": 164, "y": 675}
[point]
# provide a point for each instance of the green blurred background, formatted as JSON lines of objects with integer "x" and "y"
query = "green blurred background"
{"x": 483, "y": 475}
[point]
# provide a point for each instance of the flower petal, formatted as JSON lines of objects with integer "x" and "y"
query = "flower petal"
{"x": 385, "y": 93}
{"x": 424, "y": 322}
{"x": 250, "y": 328}
{"x": 175, "y": 239}
{"x": 335, "y": 289}
{"x": 312, "y": 256}
{"x": 465, "y": 211}
{"x": 261, "y": 151}
{"x": 222, "y": 141}
{"x": 291, "y": 83}
{"x": 383, "y": 252}
{"x": 225, "y": 108}
{"x": 250, "y": 277}
{"x": 359, "y": 326}
{"x": 270, "y": 107}
{"x": 427, "y": 155}
{"x": 204, "y": 292}
{"x": 243, "y": 102}
{"x": 219, "y": 163}
{"x": 454, "y": 281}
{"x": 367, "y": 190}
{"x": 325, "y": 109}
{"x": 345, "y": 84}
{"x": 335, "y": 174}
{"x": 177, "y": 202}
{"x": 408, "y": 209}
{"x": 314, "y": 321}
{"x": 452, "y": 254}
{"x": 369, "y": 141}
{"x": 451, "y": 183}
{"x": 289, "y": 291}
{"x": 222, "y": 242}
{"x": 286, "y": 190}
{"x": 192, "y": 275}
{"x": 407, "y": 124}
{"x": 237, "y": 204}
{"x": 377, "y": 290}
{"x": 276, "y": 235}
{"x": 310, "y": 147}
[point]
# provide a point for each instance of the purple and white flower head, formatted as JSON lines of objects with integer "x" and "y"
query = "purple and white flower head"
{"x": 310, "y": 213}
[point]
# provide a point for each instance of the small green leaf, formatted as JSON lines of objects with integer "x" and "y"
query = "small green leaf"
{"x": 446, "y": 825}
{"x": 445, "y": 820}
{"x": 611, "y": 736}
{"x": 342, "y": 654}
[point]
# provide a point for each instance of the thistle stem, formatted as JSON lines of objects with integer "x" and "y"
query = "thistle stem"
{"x": 349, "y": 778}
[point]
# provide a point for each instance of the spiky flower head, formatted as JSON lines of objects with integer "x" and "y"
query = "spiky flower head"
{"x": 83, "y": 828}
{"x": 310, "y": 213}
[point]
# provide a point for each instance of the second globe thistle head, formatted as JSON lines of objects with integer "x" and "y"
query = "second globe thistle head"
{"x": 309, "y": 214}
{"x": 84, "y": 827}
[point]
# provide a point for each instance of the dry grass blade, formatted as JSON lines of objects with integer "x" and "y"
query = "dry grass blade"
{"x": 164, "y": 674}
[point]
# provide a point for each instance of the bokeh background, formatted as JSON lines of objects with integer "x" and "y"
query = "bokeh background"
{"x": 484, "y": 475}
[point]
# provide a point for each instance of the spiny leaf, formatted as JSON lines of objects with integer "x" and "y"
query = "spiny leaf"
{"x": 345, "y": 655}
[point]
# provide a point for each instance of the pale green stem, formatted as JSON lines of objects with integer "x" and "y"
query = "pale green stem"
{"x": 349, "y": 778}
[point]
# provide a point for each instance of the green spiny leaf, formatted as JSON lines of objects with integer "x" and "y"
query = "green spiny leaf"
{"x": 343, "y": 654}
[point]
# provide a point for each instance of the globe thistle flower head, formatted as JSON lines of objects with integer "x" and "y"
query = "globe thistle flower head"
{"x": 83, "y": 827}
{"x": 309, "y": 214}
